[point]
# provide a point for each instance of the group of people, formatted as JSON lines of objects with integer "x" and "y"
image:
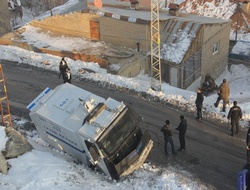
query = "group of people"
{"x": 64, "y": 71}
{"x": 234, "y": 116}
{"x": 168, "y": 133}
{"x": 235, "y": 112}
{"x": 223, "y": 92}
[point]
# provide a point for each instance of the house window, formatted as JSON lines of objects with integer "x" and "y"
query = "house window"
{"x": 216, "y": 47}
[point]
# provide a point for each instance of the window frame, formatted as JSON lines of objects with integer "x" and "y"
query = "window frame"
{"x": 216, "y": 47}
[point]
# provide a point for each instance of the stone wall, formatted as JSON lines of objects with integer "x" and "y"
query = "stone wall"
{"x": 4, "y": 17}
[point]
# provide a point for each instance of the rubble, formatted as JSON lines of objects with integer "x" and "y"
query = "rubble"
{"x": 15, "y": 146}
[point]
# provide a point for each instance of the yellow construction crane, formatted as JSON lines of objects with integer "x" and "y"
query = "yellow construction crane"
{"x": 155, "y": 47}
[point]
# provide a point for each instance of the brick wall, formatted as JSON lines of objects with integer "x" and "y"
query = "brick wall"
{"x": 125, "y": 33}
{"x": 75, "y": 24}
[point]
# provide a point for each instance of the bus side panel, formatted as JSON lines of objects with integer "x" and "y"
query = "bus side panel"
{"x": 59, "y": 137}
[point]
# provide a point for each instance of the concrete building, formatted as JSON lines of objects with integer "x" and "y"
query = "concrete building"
{"x": 191, "y": 46}
{"x": 4, "y": 17}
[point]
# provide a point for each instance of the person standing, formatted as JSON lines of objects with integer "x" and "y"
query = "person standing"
{"x": 67, "y": 76}
{"x": 182, "y": 128}
{"x": 62, "y": 67}
{"x": 247, "y": 166}
{"x": 234, "y": 114}
{"x": 198, "y": 102}
{"x": 167, "y": 132}
{"x": 223, "y": 94}
{"x": 248, "y": 145}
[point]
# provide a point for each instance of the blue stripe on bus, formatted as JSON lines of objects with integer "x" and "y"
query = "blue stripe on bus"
{"x": 82, "y": 151}
{"x": 34, "y": 102}
{"x": 31, "y": 106}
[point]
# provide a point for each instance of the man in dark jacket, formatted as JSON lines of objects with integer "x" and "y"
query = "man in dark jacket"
{"x": 62, "y": 67}
{"x": 182, "y": 131}
{"x": 67, "y": 76}
{"x": 209, "y": 85}
{"x": 234, "y": 114}
{"x": 223, "y": 94}
{"x": 167, "y": 132}
{"x": 248, "y": 146}
{"x": 248, "y": 158}
{"x": 198, "y": 102}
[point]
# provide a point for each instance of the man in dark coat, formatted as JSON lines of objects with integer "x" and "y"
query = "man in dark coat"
{"x": 62, "y": 67}
{"x": 198, "y": 102}
{"x": 234, "y": 114}
{"x": 182, "y": 128}
{"x": 223, "y": 94}
{"x": 209, "y": 85}
{"x": 167, "y": 132}
{"x": 248, "y": 146}
{"x": 67, "y": 76}
{"x": 247, "y": 166}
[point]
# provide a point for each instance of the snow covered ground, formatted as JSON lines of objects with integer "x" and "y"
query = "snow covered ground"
{"x": 44, "y": 168}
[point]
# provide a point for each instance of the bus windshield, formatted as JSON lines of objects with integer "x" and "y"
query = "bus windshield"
{"x": 124, "y": 124}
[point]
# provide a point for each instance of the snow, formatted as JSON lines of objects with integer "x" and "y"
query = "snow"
{"x": 242, "y": 46}
{"x": 49, "y": 169}
{"x": 34, "y": 36}
{"x": 174, "y": 52}
{"x": 223, "y": 9}
{"x": 46, "y": 168}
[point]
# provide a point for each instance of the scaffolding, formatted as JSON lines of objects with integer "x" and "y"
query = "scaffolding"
{"x": 4, "y": 103}
{"x": 155, "y": 47}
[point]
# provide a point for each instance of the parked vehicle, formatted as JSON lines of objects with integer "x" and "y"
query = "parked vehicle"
{"x": 101, "y": 132}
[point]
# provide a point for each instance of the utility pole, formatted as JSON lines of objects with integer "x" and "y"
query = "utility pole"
{"x": 51, "y": 4}
{"x": 237, "y": 20}
{"x": 155, "y": 47}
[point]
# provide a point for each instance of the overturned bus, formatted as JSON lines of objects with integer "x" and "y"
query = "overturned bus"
{"x": 101, "y": 132}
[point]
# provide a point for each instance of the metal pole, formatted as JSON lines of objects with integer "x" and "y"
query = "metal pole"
{"x": 237, "y": 21}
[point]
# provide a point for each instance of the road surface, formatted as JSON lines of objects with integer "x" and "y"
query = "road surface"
{"x": 212, "y": 155}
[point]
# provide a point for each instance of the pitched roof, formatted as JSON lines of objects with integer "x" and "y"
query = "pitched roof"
{"x": 176, "y": 38}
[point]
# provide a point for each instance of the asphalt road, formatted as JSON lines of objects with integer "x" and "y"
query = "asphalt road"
{"x": 211, "y": 155}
